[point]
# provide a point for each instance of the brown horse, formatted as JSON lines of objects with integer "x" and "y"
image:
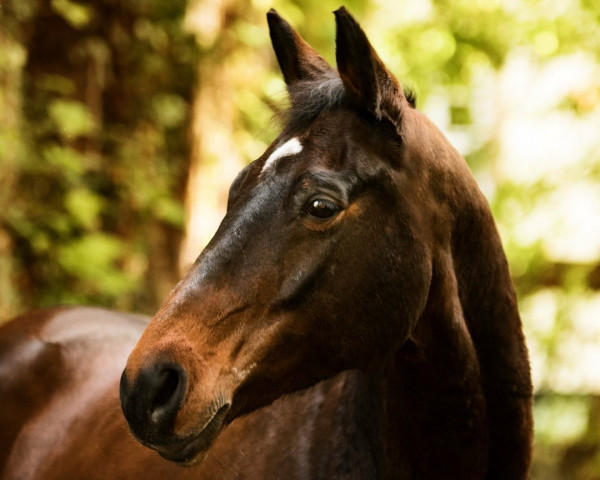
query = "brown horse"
{"x": 353, "y": 317}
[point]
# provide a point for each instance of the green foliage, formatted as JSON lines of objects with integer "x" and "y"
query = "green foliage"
{"x": 560, "y": 419}
{"x": 95, "y": 148}
{"x": 76, "y": 14}
{"x": 70, "y": 118}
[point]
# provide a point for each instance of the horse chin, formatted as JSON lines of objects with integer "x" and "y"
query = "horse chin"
{"x": 184, "y": 461}
{"x": 191, "y": 450}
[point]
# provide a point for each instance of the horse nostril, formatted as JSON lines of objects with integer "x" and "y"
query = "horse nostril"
{"x": 166, "y": 399}
{"x": 153, "y": 398}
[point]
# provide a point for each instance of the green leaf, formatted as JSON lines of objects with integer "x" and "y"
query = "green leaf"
{"x": 72, "y": 118}
{"x": 170, "y": 211}
{"x": 76, "y": 14}
{"x": 84, "y": 207}
{"x": 169, "y": 110}
{"x": 94, "y": 258}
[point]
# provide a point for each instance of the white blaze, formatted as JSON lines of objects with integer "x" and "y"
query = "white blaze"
{"x": 291, "y": 147}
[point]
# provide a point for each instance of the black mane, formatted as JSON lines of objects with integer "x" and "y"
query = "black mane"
{"x": 308, "y": 98}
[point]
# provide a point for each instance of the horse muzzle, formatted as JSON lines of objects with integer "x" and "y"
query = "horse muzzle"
{"x": 152, "y": 402}
{"x": 191, "y": 450}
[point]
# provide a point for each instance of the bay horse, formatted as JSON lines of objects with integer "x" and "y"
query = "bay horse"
{"x": 352, "y": 318}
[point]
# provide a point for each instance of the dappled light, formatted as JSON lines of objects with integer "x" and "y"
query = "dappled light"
{"x": 117, "y": 152}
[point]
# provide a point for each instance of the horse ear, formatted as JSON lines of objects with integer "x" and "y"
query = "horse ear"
{"x": 297, "y": 59}
{"x": 367, "y": 81}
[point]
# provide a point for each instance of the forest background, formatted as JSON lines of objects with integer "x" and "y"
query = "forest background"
{"x": 122, "y": 123}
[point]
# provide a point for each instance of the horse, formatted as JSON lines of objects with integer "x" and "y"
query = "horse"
{"x": 352, "y": 318}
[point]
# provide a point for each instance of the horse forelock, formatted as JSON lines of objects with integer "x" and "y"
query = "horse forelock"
{"x": 310, "y": 97}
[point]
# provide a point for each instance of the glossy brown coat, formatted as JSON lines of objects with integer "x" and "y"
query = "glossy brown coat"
{"x": 352, "y": 318}
{"x": 60, "y": 417}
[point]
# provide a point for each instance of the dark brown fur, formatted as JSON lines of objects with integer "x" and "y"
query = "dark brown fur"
{"x": 377, "y": 336}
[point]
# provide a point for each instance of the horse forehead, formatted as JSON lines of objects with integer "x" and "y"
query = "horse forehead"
{"x": 288, "y": 148}
{"x": 329, "y": 133}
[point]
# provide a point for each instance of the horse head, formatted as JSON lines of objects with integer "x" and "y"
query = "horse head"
{"x": 359, "y": 221}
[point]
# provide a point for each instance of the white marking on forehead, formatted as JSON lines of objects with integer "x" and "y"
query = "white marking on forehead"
{"x": 291, "y": 147}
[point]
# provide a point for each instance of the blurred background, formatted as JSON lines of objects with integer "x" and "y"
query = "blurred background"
{"x": 122, "y": 123}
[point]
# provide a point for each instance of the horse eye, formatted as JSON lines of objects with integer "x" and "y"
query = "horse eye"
{"x": 321, "y": 208}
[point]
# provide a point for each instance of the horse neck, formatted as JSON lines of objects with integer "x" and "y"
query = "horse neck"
{"x": 491, "y": 314}
{"x": 434, "y": 405}
{"x": 457, "y": 394}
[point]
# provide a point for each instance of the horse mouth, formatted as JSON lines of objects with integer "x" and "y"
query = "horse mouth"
{"x": 191, "y": 450}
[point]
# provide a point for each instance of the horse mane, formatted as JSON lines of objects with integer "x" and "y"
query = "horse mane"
{"x": 312, "y": 96}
